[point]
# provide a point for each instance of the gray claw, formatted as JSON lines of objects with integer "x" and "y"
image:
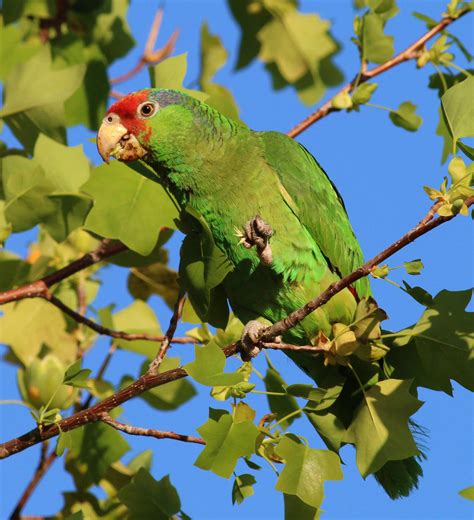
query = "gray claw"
{"x": 250, "y": 339}
{"x": 257, "y": 233}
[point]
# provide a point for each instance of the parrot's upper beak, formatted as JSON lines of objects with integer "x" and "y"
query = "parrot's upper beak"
{"x": 113, "y": 139}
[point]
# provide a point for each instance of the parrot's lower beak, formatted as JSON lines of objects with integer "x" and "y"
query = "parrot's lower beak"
{"x": 113, "y": 139}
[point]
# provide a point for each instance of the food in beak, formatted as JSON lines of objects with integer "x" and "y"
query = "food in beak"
{"x": 114, "y": 140}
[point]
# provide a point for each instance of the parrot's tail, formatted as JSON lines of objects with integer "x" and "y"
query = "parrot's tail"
{"x": 400, "y": 477}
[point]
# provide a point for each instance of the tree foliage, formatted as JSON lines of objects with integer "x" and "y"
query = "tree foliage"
{"x": 54, "y": 66}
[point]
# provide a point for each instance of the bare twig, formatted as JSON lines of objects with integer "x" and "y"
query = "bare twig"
{"x": 409, "y": 53}
{"x": 149, "y": 56}
{"x": 44, "y": 464}
{"x": 425, "y": 225}
{"x": 105, "y": 331}
{"x": 148, "y": 432}
{"x": 311, "y": 349}
{"x": 178, "y": 310}
{"x": 149, "y": 381}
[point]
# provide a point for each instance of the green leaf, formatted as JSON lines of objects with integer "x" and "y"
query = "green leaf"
{"x": 405, "y": 117}
{"x": 65, "y": 442}
{"x": 342, "y": 101}
{"x": 87, "y": 105}
{"x": 296, "y": 508}
{"x": 170, "y": 73}
{"x": 124, "y": 201}
{"x": 146, "y": 497}
{"x": 305, "y": 471}
{"x": 363, "y": 93}
{"x": 377, "y": 47}
{"x": 94, "y": 448}
{"x": 279, "y": 405}
{"x": 213, "y": 57}
{"x": 70, "y": 213}
{"x": 242, "y": 488}
{"x": 45, "y": 325}
{"x": 414, "y": 267}
{"x": 34, "y": 84}
{"x": 379, "y": 428}
{"x": 297, "y": 48}
{"x": 76, "y": 376}
{"x": 467, "y": 493}
{"x": 14, "y": 49}
{"x": 156, "y": 278}
{"x": 458, "y": 106}
{"x": 203, "y": 266}
{"x": 444, "y": 337}
{"x": 26, "y": 193}
{"x": 138, "y": 318}
{"x": 226, "y": 441}
{"x": 208, "y": 367}
{"x": 13, "y": 270}
{"x": 251, "y": 17}
{"x": 66, "y": 167}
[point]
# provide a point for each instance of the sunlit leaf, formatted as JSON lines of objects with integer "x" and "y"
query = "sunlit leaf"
{"x": 226, "y": 441}
{"x": 380, "y": 429}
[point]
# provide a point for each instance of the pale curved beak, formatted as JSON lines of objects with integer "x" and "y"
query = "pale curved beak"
{"x": 109, "y": 138}
{"x": 113, "y": 139}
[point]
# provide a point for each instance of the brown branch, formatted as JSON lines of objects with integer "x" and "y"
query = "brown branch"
{"x": 311, "y": 349}
{"x": 149, "y": 56}
{"x": 148, "y": 432}
{"x": 176, "y": 316}
{"x": 149, "y": 381}
{"x": 280, "y": 327}
{"x": 409, "y": 53}
{"x": 43, "y": 466}
{"x": 105, "y": 331}
{"x": 40, "y": 287}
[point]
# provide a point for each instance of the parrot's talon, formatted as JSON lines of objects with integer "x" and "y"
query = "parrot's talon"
{"x": 250, "y": 340}
{"x": 257, "y": 233}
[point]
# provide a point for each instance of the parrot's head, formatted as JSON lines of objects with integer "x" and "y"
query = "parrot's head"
{"x": 146, "y": 124}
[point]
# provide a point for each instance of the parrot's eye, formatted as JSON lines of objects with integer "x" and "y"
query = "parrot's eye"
{"x": 147, "y": 109}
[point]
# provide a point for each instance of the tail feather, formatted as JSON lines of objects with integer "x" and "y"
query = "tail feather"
{"x": 400, "y": 477}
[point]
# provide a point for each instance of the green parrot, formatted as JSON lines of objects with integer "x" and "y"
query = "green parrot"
{"x": 272, "y": 212}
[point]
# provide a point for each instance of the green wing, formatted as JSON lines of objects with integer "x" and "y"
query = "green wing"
{"x": 317, "y": 204}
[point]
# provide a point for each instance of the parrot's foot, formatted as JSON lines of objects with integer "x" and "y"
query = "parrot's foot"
{"x": 250, "y": 340}
{"x": 258, "y": 233}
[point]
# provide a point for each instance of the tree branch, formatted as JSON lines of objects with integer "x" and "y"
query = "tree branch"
{"x": 178, "y": 311}
{"x": 149, "y": 56}
{"x": 105, "y": 331}
{"x": 408, "y": 54}
{"x": 426, "y": 224}
{"x": 148, "y": 432}
{"x": 106, "y": 249}
{"x": 43, "y": 466}
{"x": 149, "y": 381}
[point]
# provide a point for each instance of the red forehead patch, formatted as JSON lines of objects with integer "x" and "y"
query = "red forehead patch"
{"x": 126, "y": 109}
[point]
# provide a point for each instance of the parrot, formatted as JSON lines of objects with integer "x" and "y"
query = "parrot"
{"x": 271, "y": 210}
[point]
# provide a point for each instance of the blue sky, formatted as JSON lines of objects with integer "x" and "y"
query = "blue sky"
{"x": 380, "y": 170}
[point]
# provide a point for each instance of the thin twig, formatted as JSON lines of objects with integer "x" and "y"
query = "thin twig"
{"x": 176, "y": 316}
{"x": 312, "y": 349}
{"x": 148, "y": 432}
{"x": 149, "y": 56}
{"x": 409, "y": 53}
{"x": 295, "y": 317}
{"x": 43, "y": 466}
{"x": 105, "y": 331}
{"x": 149, "y": 381}
{"x": 39, "y": 288}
